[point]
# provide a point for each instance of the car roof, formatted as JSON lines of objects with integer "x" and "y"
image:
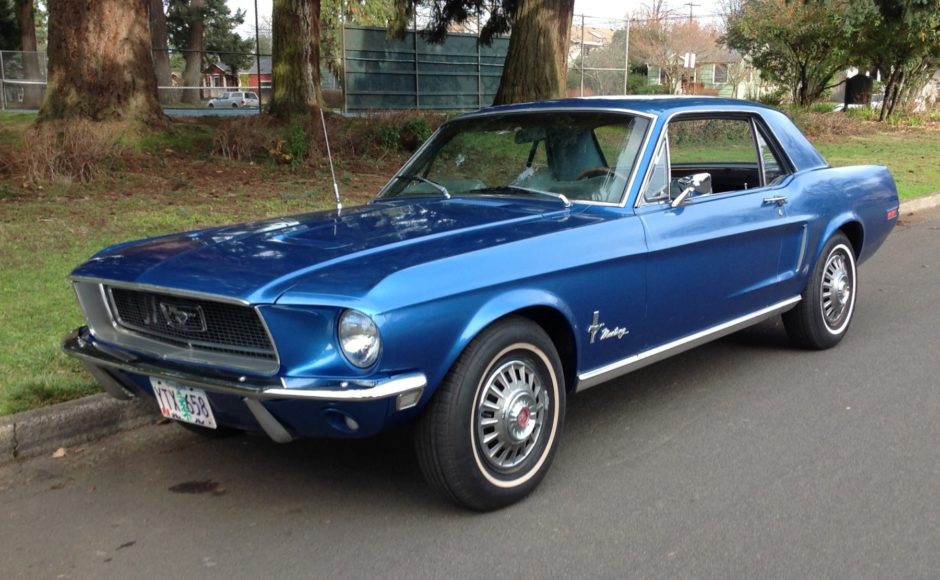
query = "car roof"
{"x": 650, "y": 104}
{"x": 801, "y": 153}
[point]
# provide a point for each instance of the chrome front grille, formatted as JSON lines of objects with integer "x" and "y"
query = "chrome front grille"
{"x": 218, "y": 327}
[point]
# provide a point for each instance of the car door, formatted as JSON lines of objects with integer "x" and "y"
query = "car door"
{"x": 715, "y": 256}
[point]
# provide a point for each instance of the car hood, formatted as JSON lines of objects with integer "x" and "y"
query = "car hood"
{"x": 339, "y": 253}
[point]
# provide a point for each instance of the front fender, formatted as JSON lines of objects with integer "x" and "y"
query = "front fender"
{"x": 442, "y": 337}
{"x": 503, "y": 305}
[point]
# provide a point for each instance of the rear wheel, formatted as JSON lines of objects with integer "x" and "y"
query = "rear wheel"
{"x": 489, "y": 435}
{"x": 823, "y": 316}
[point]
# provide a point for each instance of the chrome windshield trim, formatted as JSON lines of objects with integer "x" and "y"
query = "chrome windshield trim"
{"x": 605, "y": 373}
{"x": 256, "y": 388}
{"x": 628, "y": 187}
{"x": 161, "y": 290}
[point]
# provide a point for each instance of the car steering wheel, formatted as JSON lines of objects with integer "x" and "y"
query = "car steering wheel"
{"x": 600, "y": 170}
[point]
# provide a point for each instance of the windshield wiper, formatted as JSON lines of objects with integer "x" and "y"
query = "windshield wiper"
{"x": 517, "y": 189}
{"x": 433, "y": 184}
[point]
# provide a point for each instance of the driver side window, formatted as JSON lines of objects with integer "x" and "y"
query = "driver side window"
{"x": 657, "y": 188}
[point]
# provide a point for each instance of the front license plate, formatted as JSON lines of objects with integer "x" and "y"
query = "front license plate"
{"x": 182, "y": 403}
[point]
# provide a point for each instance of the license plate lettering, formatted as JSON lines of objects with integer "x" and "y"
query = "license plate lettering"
{"x": 183, "y": 403}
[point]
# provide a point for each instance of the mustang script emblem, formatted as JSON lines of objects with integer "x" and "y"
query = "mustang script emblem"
{"x": 183, "y": 317}
{"x": 617, "y": 332}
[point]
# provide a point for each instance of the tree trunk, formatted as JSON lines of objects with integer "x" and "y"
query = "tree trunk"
{"x": 161, "y": 55}
{"x": 896, "y": 93}
{"x": 25, "y": 15}
{"x": 536, "y": 62}
{"x": 890, "y": 85}
{"x": 192, "y": 72}
{"x": 296, "y": 57}
{"x": 100, "y": 65}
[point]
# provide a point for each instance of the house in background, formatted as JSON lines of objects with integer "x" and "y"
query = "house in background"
{"x": 217, "y": 79}
{"x": 592, "y": 38}
{"x": 250, "y": 79}
{"x": 724, "y": 73}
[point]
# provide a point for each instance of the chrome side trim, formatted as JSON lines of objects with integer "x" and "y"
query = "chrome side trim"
{"x": 597, "y": 376}
{"x": 256, "y": 388}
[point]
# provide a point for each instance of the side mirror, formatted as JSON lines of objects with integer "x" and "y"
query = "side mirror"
{"x": 698, "y": 183}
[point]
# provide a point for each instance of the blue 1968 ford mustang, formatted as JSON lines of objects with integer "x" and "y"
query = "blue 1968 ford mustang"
{"x": 523, "y": 254}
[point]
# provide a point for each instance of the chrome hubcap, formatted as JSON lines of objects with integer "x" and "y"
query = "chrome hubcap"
{"x": 837, "y": 289}
{"x": 510, "y": 414}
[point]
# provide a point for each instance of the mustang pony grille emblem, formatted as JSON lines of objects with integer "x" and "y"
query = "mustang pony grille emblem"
{"x": 183, "y": 317}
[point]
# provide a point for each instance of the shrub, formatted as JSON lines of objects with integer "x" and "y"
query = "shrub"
{"x": 415, "y": 132}
{"x": 297, "y": 142}
{"x": 78, "y": 150}
{"x": 774, "y": 98}
{"x": 293, "y": 145}
{"x": 822, "y": 107}
{"x": 244, "y": 137}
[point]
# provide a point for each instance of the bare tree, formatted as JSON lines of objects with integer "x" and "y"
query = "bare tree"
{"x": 100, "y": 65}
{"x": 662, "y": 40}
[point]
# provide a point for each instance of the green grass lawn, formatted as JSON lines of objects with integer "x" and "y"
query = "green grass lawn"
{"x": 43, "y": 239}
{"x": 913, "y": 156}
{"x": 175, "y": 184}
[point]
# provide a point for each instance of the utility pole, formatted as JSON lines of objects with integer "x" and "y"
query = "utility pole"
{"x": 258, "y": 59}
{"x": 691, "y": 5}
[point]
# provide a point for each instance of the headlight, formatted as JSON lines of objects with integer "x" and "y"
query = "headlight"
{"x": 359, "y": 338}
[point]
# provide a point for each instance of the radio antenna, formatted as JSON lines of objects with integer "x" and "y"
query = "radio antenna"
{"x": 329, "y": 156}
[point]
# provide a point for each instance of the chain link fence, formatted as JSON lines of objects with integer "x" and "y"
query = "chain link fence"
{"x": 22, "y": 80}
{"x": 380, "y": 73}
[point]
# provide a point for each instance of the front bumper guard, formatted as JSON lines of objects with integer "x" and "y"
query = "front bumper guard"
{"x": 405, "y": 388}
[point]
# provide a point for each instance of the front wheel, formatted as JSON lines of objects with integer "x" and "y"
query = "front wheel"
{"x": 822, "y": 317}
{"x": 489, "y": 435}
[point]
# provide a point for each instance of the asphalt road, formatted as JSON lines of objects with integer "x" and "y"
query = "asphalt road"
{"x": 744, "y": 458}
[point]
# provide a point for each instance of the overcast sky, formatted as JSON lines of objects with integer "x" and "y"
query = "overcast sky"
{"x": 601, "y": 8}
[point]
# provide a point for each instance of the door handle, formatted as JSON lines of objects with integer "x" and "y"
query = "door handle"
{"x": 779, "y": 200}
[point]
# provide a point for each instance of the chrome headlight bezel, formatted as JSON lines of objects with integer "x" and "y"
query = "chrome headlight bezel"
{"x": 359, "y": 339}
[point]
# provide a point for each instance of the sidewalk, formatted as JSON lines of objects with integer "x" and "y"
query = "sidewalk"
{"x": 44, "y": 430}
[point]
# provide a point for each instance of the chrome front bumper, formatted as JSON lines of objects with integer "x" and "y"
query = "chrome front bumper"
{"x": 405, "y": 388}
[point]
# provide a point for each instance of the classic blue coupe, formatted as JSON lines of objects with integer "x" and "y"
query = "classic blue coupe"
{"x": 524, "y": 253}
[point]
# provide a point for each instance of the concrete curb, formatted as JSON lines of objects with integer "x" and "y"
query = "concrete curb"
{"x": 920, "y": 204}
{"x": 68, "y": 424}
{"x": 45, "y": 430}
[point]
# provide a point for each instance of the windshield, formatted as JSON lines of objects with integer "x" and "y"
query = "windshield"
{"x": 586, "y": 156}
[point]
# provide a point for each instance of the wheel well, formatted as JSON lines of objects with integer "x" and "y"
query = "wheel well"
{"x": 853, "y": 231}
{"x": 559, "y": 330}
